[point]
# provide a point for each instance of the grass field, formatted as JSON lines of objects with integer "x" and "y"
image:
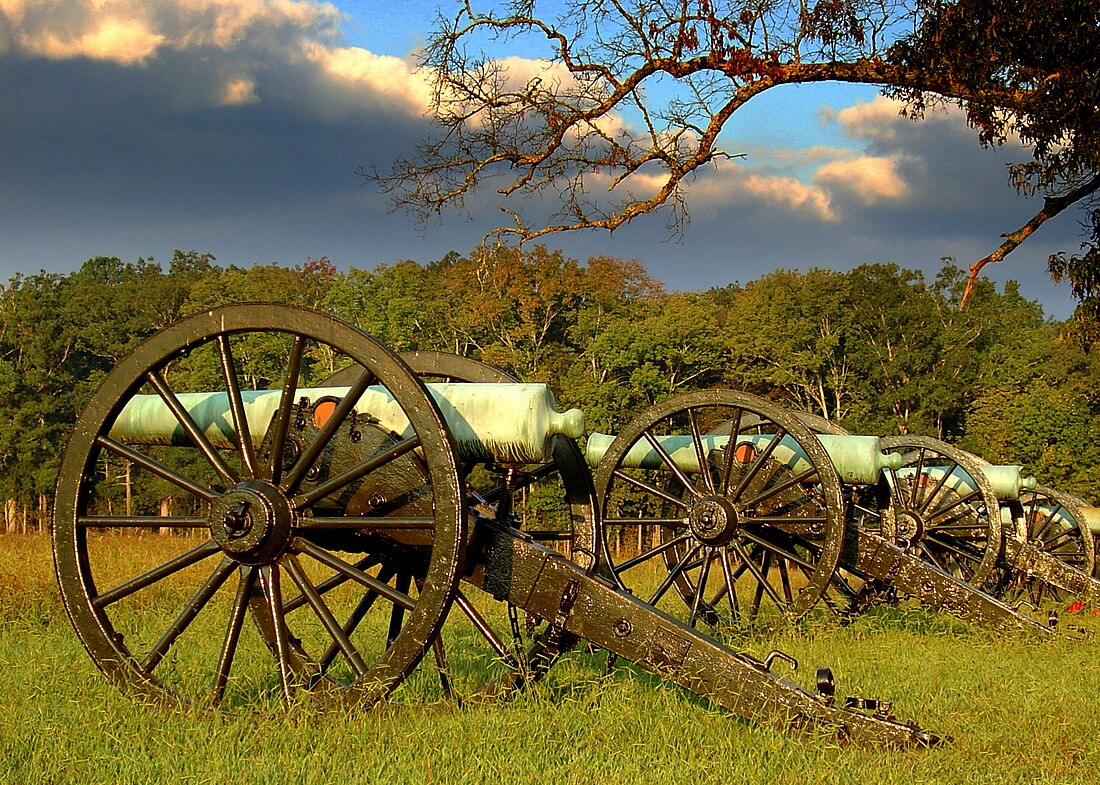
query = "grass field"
{"x": 1018, "y": 711}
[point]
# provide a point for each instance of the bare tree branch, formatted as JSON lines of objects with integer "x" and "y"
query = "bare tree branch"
{"x": 1052, "y": 206}
{"x": 622, "y": 101}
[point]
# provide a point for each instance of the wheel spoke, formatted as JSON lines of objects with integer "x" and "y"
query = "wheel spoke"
{"x": 442, "y": 668}
{"x": 192, "y": 609}
{"x": 397, "y": 614}
{"x": 141, "y": 522}
{"x": 700, "y": 450}
{"x": 191, "y": 428}
{"x": 656, "y": 551}
{"x": 933, "y": 495}
{"x": 757, "y": 464}
{"x": 239, "y": 610}
{"x": 372, "y": 522}
{"x": 271, "y": 583}
{"x": 672, "y": 523}
{"x": 358, "y": 613}
{"x": 357, "y": 575}
{"x": 700, "y": 586}
{"x": 328, "y": 584}
{"x": 760, "y": 573}
{"x": 784, "y": 553}
{"x": 731, "y": 585}
{"x": 327, "y": 431}
{"x": 485, "y": 629}
{"x": 666, "y": 459}
{"x": 958, "y": 501}
{"x": 331, "y": 625}
{"x": 776, "y": 490}
{"x": 171, "y": 567}
{"x": 354, "y": 473}
{"x": 731, "y": 451}
{"x": 953, "y": 547}
{"x": 236, "y": 407}
{"x": 651, "y": 489}
{"x": 914, "y": 490}
{"x": 672, "y": 575}
{"x": 285, "y": 410}
{"x": 156, "y": 467}
{"x": 785, "y": 579}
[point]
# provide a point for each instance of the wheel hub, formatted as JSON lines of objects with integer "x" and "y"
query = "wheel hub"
{"x": 713, "y": 520}
{"x": 252, "y": 522}
{"x": 910, "y": 527}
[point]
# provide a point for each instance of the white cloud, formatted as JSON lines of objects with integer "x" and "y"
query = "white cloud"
{"x": 746, "y": 187}
{"x": 383, "y": 75}
{"x": 124, "y": 41}
{"x": 877, "y": 120}
{"x": 129, "y": 32}
{"x": 870, "y": 179}
{"x": 254, "y": 38}
{"x": 731, "y": 185}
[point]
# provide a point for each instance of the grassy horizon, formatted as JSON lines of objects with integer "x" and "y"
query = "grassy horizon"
{"x": 1018, "y": 711}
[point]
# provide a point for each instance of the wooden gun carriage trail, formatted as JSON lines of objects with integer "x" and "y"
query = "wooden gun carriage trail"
{"x": 354, "y": 512}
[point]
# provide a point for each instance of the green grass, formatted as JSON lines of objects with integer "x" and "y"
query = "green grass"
{"x": 1018, "y": 710}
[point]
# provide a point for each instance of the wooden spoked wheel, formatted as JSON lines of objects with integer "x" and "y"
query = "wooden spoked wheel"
{"x": 188, "y": 502}
{"x": 943, "y": 508}
{"x": 488, "y": 649}
{"x": 1055, "y": 523}
{"x": 733, "y": 512}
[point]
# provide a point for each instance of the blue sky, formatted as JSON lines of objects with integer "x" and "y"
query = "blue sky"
{"x": 132, "y": 128}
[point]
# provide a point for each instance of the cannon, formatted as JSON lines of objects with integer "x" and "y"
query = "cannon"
{"x": 1051, "y": 551}
{"x": 1023, "y": 538}
{"x": 986, "y": 524}
{"x": 320, "y": 548}
{"x": 735, "y": 543}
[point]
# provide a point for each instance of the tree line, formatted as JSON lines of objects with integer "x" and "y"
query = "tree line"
{"x": 880, "y": 349}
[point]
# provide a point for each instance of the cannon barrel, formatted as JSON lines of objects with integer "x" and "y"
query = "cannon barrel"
{"x": 489, "y": 422}
{"x": 1006, "y": 481}
{"x": 1092, "y": 518}
{"x": 858, "y": 459}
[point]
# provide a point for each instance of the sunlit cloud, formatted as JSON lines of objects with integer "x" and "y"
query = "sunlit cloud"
{"x": 727, "y": 186}
{"x": 870, "y": 179}
{"x": 106, "y": 29}
{"x": 238, "y": 92}
{"x": 382, "y": 75}
{"x": 123, "y": 35}
{"x": 746, "y": 187}
{"x": 879, "y": 120}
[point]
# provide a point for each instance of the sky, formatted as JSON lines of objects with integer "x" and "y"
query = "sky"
{"x": 132, "y": 128}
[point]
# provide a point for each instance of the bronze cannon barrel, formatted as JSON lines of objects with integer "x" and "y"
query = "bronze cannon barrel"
{"x": 489, "y": 422}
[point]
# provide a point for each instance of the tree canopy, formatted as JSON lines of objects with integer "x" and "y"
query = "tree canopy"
{"x": 640, "y": 91}
{"x": 879, "y": 349}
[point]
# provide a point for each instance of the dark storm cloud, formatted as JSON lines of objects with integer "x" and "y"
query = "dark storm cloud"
{"x": 248, "y": 151}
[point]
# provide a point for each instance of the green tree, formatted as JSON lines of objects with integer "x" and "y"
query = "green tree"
{"x": 636, "y": 361}
{"x": 789, "y": 334}
{"x": 398, "y": 304}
